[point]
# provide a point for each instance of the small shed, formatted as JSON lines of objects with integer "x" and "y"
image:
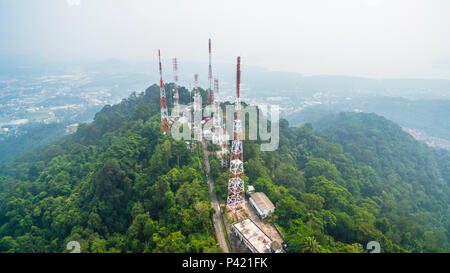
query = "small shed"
{"x": 262, "y": 204}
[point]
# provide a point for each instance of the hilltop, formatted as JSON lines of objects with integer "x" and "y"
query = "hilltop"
{"x": 119, "y": 185}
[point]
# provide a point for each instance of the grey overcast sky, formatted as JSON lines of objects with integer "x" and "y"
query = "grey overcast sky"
{"x": 371, "y": 38}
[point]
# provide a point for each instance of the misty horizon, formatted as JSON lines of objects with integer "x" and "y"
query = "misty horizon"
{"x": 374, "y": 39}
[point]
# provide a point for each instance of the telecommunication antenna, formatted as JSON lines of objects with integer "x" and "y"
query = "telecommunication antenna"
{"x": 165, "y": 126}
{"x": 235, "y": 197}
{"x": 176, "y": 98}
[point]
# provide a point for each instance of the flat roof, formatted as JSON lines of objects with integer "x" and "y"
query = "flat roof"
{"x": 262, "y": 201}
{"x": 254, "y": 235}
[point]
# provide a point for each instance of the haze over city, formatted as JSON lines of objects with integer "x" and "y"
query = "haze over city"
{"x": 370, "y": 38}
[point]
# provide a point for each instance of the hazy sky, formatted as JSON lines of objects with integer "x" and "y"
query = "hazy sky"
{"x": 372, "y": 38}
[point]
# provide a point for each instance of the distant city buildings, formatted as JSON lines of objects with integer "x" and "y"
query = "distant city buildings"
{"x": 60, "y": 98}
{"x": 429, "y": 140}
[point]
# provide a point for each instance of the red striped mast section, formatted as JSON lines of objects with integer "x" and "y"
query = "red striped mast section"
{"x": 235, "y": 198}
{"x": 165, "y": 126}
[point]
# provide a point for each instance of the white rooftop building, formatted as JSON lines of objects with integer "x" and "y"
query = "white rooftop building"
{"x": 252, "y": 236}
{"x": 264, "y": 207}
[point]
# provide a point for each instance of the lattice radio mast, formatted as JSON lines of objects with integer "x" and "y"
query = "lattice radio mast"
{"x": 210, "y": 95}
{"x": 235, "y": 198}
{"x": 165, "y": 126}
{"x": 176, "y": 98}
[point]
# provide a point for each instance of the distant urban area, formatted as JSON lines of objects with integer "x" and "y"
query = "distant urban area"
{"x": 73, "y": 96}
{"x": 66, "y": 98}
{"x": 429, "y": 140}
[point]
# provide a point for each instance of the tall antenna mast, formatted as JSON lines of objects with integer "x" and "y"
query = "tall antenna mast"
{"x": 238, "y": 78}
{"x": 197, "y": 109}
{"x": 219, "y": 130}
{"x": 176, "y": 98}
{"x": 165, "y": 126}
{"x": 216, "y": 128}
{"x": 210, "y": 95}
{"x": 216, "y": 86}
{"x": 196, "y": 85}
{"x": 235, "y": 198}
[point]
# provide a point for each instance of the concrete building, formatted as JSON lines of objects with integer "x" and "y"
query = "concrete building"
{"x": 264, "y": 207}
{"x": 254, "y": 238}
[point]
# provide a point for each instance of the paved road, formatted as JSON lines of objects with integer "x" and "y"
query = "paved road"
{"x": 216, "y": 217}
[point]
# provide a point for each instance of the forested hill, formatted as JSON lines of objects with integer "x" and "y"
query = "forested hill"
{"x": 412, "y": 179}
{"x": 359, "y": 178}
{"x": 116, "y": 185}
{"x": 400, "y": 160}
{"x": 119, "y": 185}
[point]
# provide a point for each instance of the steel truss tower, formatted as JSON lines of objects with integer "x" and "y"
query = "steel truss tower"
{"x": 176, "y": 98}
{"x": 220, "y": 136}
{"x": 165, "y": 126}
{"x": 236, "y": 198}
{"x": 223, "y": 145}
{"x": 197, "y": 110}
{"x": 217, "y": 126}
{"x": 210, "y": 95}
{"x": 197, "y": 103}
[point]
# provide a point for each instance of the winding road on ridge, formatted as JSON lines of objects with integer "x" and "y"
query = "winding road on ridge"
{"x": 216, "y": 217}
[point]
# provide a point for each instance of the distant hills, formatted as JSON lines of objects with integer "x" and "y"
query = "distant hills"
{"x": 429, "y": 116}
{"x": 259, "y": 81}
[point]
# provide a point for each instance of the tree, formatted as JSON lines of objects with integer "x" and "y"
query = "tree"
{"x": 288, "y": 208}
{"x": 313, "y": 201}
{"x": 335, "y": 196}
{"x": 174, "y": 243}
{"x": 320, "y": 167}
{"x": 311, "y": 245}
{"x": 289, "y": 177}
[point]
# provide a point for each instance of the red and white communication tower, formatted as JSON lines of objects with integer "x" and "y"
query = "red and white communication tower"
{"x": 176, "y": 98}
{"x": 235, "y": 198}
{"x": 165, "y": 126}
{"x": 223, "y": 153}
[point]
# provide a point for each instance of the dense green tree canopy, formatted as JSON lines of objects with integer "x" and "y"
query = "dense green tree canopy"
{"x": 120, "y": 185}
{"x": 116, "y": 185}
{"x": 359, "y": 178}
